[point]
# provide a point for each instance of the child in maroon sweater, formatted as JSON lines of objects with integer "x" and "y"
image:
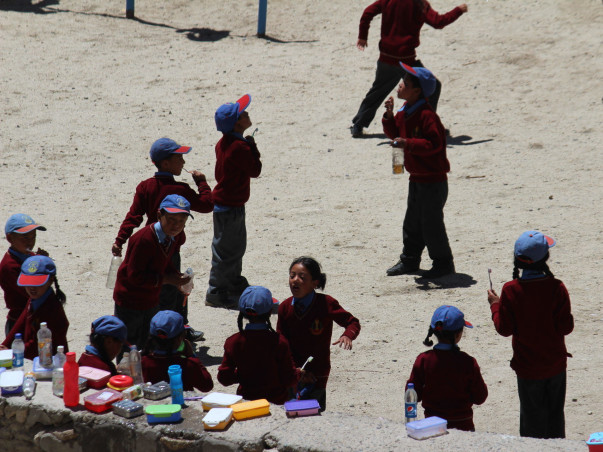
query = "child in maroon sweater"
{"x": 306, "y": 320}
{"x": 447, "y": 380}
{"x": 535, "y": 309}
{"x": 257, "y": 357}
{"x": 108, "y": 335}
{"x": 166, "y": 346}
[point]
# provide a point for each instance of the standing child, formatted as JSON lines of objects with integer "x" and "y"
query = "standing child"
{"x": 257, "y": 357}
{"x": 237, "y": 161}
{"x": 416, "y": 128}
{"x": 108, "y": 335}
{"x": 168, "y": 157}
{"x": 167, "y": 346}
{"x": 306, "y": 320}
{"x": 447, "y": 380}
{"x": 20, "y": 230}
{"x": 38, "y": 273}
{"x": 535, "y": 309}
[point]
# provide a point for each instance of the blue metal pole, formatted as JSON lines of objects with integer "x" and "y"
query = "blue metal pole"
{"x": 262, "y": 11}
{"x": 130, "y": 9}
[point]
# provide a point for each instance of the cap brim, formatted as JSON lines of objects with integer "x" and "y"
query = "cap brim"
{"x": 244, "y": 102}
{"x": 32, "y": 280}
{"x": 182, "y": 150}
{"x": 408, "y": 68}
{"x": 468, "y": 324}
{"x": 175, "y": 210}
{"x": 29, "y": 227}
{"x": 550, "y": 241}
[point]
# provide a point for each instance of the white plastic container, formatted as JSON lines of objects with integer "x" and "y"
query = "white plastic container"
{"x": 11, "y": 382}
{"x": 41, "y": 372}
{"x": 6, "y": 358}
{"x": 427, "y": 428}
{"x": 217, "y": 418}
{"x": 219, "y": 400}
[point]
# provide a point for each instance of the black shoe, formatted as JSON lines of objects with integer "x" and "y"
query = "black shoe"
{"x": 356, "y": 131}
{"x": 437, "y": 271}
{"x": 402, "y": 268}
{"x": 193, "y": 335}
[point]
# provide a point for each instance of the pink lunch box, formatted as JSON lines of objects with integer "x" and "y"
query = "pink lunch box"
{"x": 97, "y": 378}
{"x": 296, "y": 408}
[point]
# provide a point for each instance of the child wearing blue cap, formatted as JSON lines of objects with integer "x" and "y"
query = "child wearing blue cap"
{"x": 168, "y": 157}
{"x": 535, "y": 309}
{"x": 20, "y": 230}
{"x": 167, "y": 346}
{"x": 237, "y": 161}
{"x": 257, "y": 357}
{"x": 148, "y": 265}
{"x": 108, "y": 335}
{"x": 417, "y": 129}
{"x": 38, "y": 273}
{"x": 447, "y": 380}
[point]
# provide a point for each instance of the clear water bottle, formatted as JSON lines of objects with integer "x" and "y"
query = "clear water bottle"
{"x": 112, "y": 275}
{"x": 18, "y": 347}
{"x": 397, "y": 160}
{"x": 135, "y": 365}
{"x": 123, "y": 368}
{"x": 188, "y": 287}
{"x": 58, "y": 380}
{"x": 45, "y": 345}
{"x": 29, "y": 385}
{"x": 410, "y": 403}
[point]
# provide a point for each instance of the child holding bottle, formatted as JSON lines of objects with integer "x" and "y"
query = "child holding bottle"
{"x": 108, "y": 334}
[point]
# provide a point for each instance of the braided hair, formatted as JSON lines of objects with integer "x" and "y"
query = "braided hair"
{"x": 59, "y": 293}
{"x": 251, "y": 317}
{"x": 444, "y": 336}
{"x": 524, "y": 263}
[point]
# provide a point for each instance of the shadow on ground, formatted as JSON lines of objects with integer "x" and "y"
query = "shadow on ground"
{"x": 464, "y": 140}
{"x": 446, "y": 282}
{"x": 27, "y": 6}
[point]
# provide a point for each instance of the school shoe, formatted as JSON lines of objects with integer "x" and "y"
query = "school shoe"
{"x": 221, "y": 299}
{"x": 437, "y": 271}
{"x": 193, "y": 335}
{"x": 356, "y": 131}
{"x": 402, "y": 268}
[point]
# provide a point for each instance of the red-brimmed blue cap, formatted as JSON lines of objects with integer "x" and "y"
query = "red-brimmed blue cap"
{"x": 164, "y": 147}
{"x": 112, "y": 326}
{"x": 228, "y": 114}
{"x": 532, "y": 246}
{"x": 451, "y": 317}
{"x": 36, "y": 270}
{"x": 21, "y": 224}
{"x": 257, "y": 300}
{"x": 176, "y": 204}
{"x": 167, "y": 324}
{"x": 426, "y": 78}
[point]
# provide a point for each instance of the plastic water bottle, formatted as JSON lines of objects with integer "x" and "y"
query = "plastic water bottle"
{"x": 58, "y": 380}
{"x": 397, "y": 160}
{"x": 112, "y": 275}
{"x": 71, "y": 389}
{"x": 45, "y": 345}
{"x": 29, "y": 385}
{"x": 410, "y": 403}
{"x": 18, "y": 352}
{"x": 175, "y": 373}
{"x": 123, "y": 368}
{"x": 135, "y": 365}
{"x": 188, "y": 287}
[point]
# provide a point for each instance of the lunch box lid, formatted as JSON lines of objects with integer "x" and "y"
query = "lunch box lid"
{"x": 216, "y": 416}
{"x": 11, "y": 378}
{"x": 221, "y": 399}
{"x": 298, "y": 405}
{"x": 163, "y": 410}
{"x": 250, "y": 405}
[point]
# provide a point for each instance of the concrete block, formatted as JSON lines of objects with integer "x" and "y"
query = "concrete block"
{"x": 177, "y": 444}
{"x": 52, "y": 442}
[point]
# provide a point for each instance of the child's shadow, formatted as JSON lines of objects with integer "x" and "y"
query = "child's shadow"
{"x": 28, "y": 6}
{"x": 445, "y": 282}
{"x": 204, "y": 357}
{"x": 464, "y": 140}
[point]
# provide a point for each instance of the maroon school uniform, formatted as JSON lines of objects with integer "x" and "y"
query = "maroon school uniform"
{"x": 309, "y": 334}
{"x": 91, "y": 360}
{"x": 15, "y": 296}
{"x": 194, "y": 373}
{"x": 140, "y": 275}
{"x": 260, "y": 361}
{"x": 449, "y": 382}
{"x": 28, "y": 324}
{"x": 150, "y": 193}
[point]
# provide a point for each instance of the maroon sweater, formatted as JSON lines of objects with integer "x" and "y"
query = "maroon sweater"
{"x": 449, "y": 382}
{"x": 537, "y": 313}
{"x": 237, "y": 161}
{"x": 28, "y": 324}
{"x": 425, "y": 150}
{"x": 140, "y": 275}
{"x": 260, "y": 361}
{"x": 401, "y": 22}
{"x": 15, "y": 296}
{"x": 150, "y": 193}
{"x": 194, "y": 373}
{"x": 310, "y": 334}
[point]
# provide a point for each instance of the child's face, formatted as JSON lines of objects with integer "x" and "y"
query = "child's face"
{"x": 112, "y": 347}
{"x": 37, "y": 292}
{"x": 22, "y": 243}
{"x": 173, "y": 164}
{"x": 243, "y": 123}
{"x": 407, "y": 91}
{"x": 172, "y": 223}
{"x": 300, "y": 281}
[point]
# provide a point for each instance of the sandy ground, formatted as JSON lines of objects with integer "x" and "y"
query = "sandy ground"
{"x": 85, "y": 93}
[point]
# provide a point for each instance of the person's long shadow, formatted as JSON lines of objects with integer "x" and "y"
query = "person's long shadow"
{"x": 204, "y": 357}
{"x": 27, "y": 6}
{"x": 445, "y": 282}
{"x": 464, "y": 140}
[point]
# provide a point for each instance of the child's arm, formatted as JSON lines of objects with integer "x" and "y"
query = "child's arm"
{"x": 417, "y": 377}
{"x": 132, "y": 221}
{"x": 433, "y": 136}
{"x": 246, "y": 157}
{"x": 502, "y": 318}
{"x": 227, "y": 372}
{"x": 388, "y": 121}
{"x": 346, "y": 320}
{"x": 479, "y": 390}
{"x": 200, "y": 377}
{"x": 288, "y": 373}
{"x": 365, "y": 21}
{"x": 564, "y": 321}
{"x": 437, "y": 20}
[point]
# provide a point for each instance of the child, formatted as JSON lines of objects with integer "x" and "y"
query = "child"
{"x": 257, "y": 357}
{"x": 306, "y": 321}
{"x": 237, "y": 161}
{"x": 401, "y": 22}
{"x": 167, "y": 156}
{"x": 447, "y": 380}
{"x": 167, "y": 346}
{"x": 108, "y": 335}
{"x": 417, "y": 129}
{"x": 20, "y": 232}
{"x": 535, "y": 309}
{"x": 148, "y": 265}
{"x": 38, "y": 273}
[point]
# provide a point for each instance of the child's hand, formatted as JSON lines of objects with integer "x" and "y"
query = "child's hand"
{"x": 398, "y": 142}
{"x": 116, "y": 249}
{"x": 250, "y": 139}
{"x": 176, "y": 279}
{"x": 492, "y": 297}
{"x": 344, "y": 342}
{"x": 389, "y": 107}
{"x": 42, "y": 252}
{"x": 361, "y": 44}
{"x": 3, "y": 347}
{"x": 198, "y": 176}
{"x": 464, "y": 7}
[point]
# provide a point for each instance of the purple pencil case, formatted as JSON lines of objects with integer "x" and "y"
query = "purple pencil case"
{"x": 296, "y": 408}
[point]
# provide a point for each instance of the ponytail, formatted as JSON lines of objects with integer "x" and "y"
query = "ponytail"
{"x": 520, "y": 263}
{"x": 257, "y": 319}
{"x": 428, "y": 342}
{"x": 240, "y": 321}
{"x": 444, "y": 336}
{"x": 59, "y": 293}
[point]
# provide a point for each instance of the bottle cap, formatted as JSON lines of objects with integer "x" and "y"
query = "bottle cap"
{"x": 70, "y": 356}
{"x": 410, "y": 385}
{"x": 18, "y": 336}
{"x": 174, "y": 369}
{"x": 60, "y": 349}
{"x": 43, "y": 325}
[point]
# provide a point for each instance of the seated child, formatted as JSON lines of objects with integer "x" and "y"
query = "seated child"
{"x": 447, "y": 380}
{"x": 257, "y": 357}
{"x": 107, "y": 337}
{"x": 38, "y": 273}
{"x": 167, "y": 346}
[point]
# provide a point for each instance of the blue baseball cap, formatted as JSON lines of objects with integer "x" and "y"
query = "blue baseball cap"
{"x": 256, "y": 300}
{"x": 164, "y": 147}
{"x": 36, "y": 270}
{"x": 532, "y": 246}
{"x": 109, "y": 325}
{"x": 228, "y": 114}
{"x": 176, "y": 204}
{"x": 167, "y": 324}
{"x": 21, "y": 224}
{"x": 426, "y": 78}
{"x": 452, "y": 319}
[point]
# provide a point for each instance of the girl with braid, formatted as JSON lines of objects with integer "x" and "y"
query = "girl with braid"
{"x": 107, "y": 336}
{"x": 535, "y": 309}
{"x": 447, "y": 380}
